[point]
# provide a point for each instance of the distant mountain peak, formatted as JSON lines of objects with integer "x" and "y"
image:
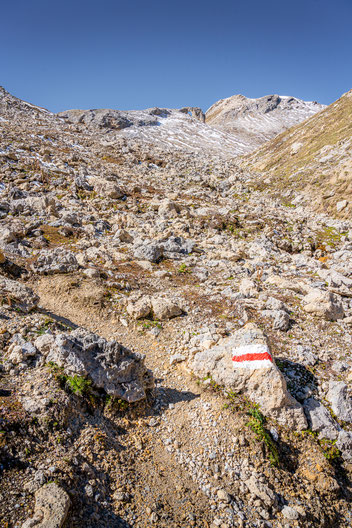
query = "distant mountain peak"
{"x": 255, "y": 121}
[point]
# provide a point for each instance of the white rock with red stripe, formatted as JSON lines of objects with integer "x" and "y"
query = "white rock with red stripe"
{"x": 244, "y": 363}
{"x": 252, "y": 357}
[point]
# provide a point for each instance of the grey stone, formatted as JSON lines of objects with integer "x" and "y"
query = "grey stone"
{"x": 164, "y": 309}
{"x": 81, "y": 182}
{"x": 341, "y": 402}
{"x": 281, "y": 320}
{"x": 141, "y": 308}
{"x": 223, "y": 495}
{"x": 262, "y": 383}
{"x": 290, "y": 513}
{"x": 344, "y": 444}
{"x": 177, "y": 245}
{"x": 324, "y": 304}
{"x": 108, "y": 189}
{"x": 150, "y": 251}
{"x": 177, "y": 358}
{"x": 108, "y": 364}
{"x": 57, "y": 260}
{"x": 261, "y": 490}
{"x": 320, "y": 419}
{"x": 275, "y": 304}
{"x": 18, "y": 295}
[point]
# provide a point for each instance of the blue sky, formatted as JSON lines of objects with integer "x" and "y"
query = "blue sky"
{"x": 139, "y": 54}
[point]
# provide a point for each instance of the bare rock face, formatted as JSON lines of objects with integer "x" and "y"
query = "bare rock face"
{"x": 108, "y": 364}
{"x": 195, "y": 111}
{"x": 51, "y": 507}
{"x": 243, "y": 363}
{"x": 101, "y": 118}
{"x": 18, "y": 295}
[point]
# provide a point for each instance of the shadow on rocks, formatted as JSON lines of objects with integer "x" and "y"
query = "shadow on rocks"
{"x": 60, "y": 320}
{"x": 164, "y": 396}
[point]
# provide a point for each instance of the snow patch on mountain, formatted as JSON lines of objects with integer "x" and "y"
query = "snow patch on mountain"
{"x": 254, "y": 121}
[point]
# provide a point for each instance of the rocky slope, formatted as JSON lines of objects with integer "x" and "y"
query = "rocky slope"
{"x": 163, "y": 128}
{"x": 315, "y": 158}
{"x": 174, "y": 340}
{"x": 255, "y": 121}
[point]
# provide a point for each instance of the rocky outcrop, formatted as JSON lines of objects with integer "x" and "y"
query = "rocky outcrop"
{"x": 195, "y": 112}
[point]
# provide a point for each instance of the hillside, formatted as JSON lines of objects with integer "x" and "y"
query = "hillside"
{"x": 163, "y": 128}
{"x": 314, "y": 158}
{"x": 256, "y": 121}
{"x": 174, "y": 339}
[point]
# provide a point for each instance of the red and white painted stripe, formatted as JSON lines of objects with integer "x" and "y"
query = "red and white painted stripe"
{"x": 254, "y": 356}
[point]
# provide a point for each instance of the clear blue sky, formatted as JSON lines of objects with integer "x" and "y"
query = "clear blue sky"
{"x": 135, "y": 54}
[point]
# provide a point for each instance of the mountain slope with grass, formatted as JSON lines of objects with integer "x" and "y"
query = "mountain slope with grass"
{"x": 313, "y": 158}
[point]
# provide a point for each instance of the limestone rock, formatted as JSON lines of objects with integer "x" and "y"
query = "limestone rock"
{"x": 281, "y": 320}
{"x": 18, "y": 295}
{"x": 140, "y": 309}
{"x": 262, "y": 491}
{"x": 344, "y": 444}
{"x": 320, "y": 420}
{"x": 259, "y": 379}
{"x": 324, "y": 304}
{"x": 290, "y": 513}
{"x": 108, "y": 189}
{"x": 20, "y": 350}
{"x": 248, "y": 288}
{"x": 56, "y": 261}
{"x": 123, "y": 236}
{"x": 175, "y": 246}
{"x": 164, "y": 309}
{"x": 168, "y": 208}
{"x": 149, "y": 250}
{"x": 108, "y": 364}
{"x": 43, "y": 343}
{"x": 341, "y": 402}
{"x": 51, "y": 507}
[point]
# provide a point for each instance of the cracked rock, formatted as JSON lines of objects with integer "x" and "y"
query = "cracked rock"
{"x": 108, "y": 364}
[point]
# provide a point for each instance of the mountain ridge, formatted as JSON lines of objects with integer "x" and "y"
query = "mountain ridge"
{"x": 259, "y": 120}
